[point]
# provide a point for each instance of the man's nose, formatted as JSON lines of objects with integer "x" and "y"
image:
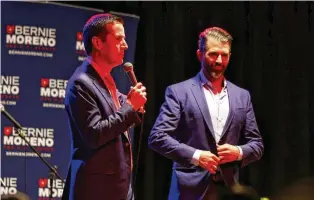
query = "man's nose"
{"x": 219, "y": 60}
{"x": 124, "y": 45}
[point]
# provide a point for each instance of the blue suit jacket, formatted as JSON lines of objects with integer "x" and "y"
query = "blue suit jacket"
{"x": 100, "y": 165}
{"x": 184, "y": 125}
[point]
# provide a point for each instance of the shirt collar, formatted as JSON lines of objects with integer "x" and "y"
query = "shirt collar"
{"x": 205, "y": 81}
{"x": 100, "y": 70}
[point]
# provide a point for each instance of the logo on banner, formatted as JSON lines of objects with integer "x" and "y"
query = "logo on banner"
{"x": 44, "y": 188}
{"x": 8, "y": 185}
{"x": 30, "y": 40}
{"x": 9, "y": 89}
{"x": 42, "y": 139}
{"x": 52, "y": 92}
{"x": 80, "y": 50}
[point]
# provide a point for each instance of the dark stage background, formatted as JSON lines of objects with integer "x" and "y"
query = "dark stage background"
{"x": 272, "y": 57}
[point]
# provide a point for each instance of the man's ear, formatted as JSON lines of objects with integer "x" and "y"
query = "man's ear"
{"x": 199, "y": 55}
{"x": 229, "y": 56}
{"x": 97, "y": 44}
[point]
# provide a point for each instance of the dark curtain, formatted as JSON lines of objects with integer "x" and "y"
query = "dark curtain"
{"x": 272, "y": 57}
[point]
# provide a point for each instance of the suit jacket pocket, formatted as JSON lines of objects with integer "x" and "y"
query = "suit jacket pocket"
{"x": 185, "y": 168}
{"x": 190, "y": 177}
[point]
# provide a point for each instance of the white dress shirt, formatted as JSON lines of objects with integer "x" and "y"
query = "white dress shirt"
{"x": 218, "y": 106}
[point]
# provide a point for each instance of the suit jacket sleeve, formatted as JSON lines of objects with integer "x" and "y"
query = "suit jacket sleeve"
{"x": 95, "y": 128}
{"x": 166, "y": 123}
{"x": 253, "y": 147}
{"x": 123, "y": 100}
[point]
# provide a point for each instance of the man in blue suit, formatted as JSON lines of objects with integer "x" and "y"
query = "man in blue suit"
{"x": 207, "y": 125}
{"x": 100, "y": 116}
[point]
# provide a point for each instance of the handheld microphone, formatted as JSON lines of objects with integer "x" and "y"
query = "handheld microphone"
{"x": 128, "y": 68}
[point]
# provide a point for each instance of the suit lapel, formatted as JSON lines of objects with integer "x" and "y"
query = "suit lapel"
{"x": 99, "y": 84}
{"x": 231, "y": 97}
{"x": 105, "y": 94}
{"x": 199, "y": 96}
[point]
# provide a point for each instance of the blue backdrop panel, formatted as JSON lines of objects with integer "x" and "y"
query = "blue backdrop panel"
{"x": 41, "y": 47}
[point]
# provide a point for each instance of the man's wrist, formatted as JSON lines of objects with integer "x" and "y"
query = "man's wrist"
{"x": 196, "y": 157}
{"x": 240, "y": 153}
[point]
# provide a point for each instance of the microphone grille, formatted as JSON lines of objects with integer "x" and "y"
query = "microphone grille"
{"x": 128, "y": 67}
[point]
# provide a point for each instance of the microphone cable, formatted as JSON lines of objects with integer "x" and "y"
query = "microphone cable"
{"x": 137, "y": 156}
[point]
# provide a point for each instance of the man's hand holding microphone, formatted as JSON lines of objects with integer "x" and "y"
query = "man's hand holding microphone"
{"x": 137, "y": 96}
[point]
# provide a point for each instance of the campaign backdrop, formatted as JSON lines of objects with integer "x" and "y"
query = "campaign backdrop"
{"x": 41, "y": 45}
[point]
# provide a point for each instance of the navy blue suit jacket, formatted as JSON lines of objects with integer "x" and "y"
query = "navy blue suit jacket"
{"x": 184, "y": 125}
{"x": 100, "y": 165}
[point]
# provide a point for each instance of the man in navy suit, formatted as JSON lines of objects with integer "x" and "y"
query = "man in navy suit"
{"x": 100, "y": 116}
{"x": 207, "y": 125}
